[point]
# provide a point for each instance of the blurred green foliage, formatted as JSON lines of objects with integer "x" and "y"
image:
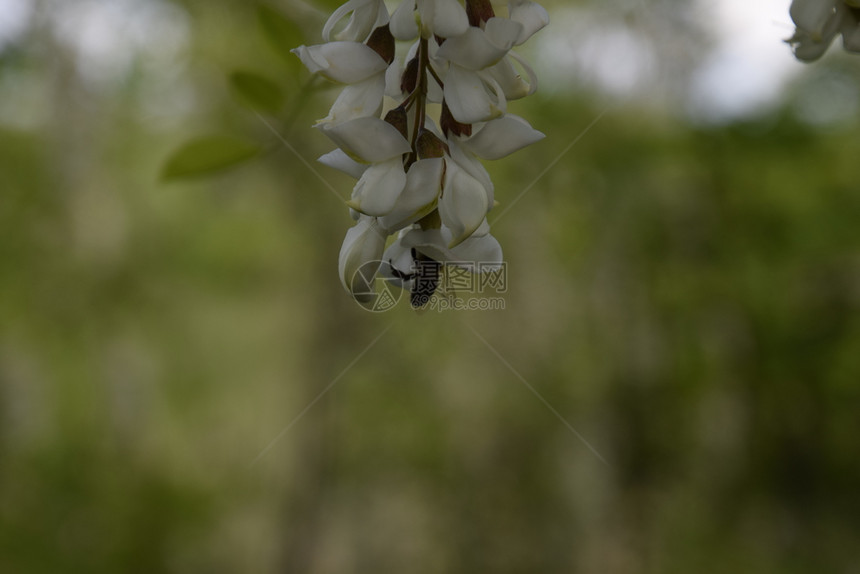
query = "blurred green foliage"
{"x": 686, "y": 297}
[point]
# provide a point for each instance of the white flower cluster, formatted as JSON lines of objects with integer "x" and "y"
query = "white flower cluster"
{"x": 418, "y": 177}
{"x": 819, "y": 22}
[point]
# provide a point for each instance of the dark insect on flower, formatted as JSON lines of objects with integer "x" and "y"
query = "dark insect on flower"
{"x": 425, "y": 278}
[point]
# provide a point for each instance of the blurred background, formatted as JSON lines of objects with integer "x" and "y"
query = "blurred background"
{"x": 185, "y": 386}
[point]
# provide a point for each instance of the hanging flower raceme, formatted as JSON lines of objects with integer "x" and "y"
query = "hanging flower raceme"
{"x": 419, "y": 174}
{"x": 819, "y": 22}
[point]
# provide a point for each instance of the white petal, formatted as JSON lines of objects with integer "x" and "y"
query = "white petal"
{"x": 358, "y": 101}
{"x": 512, "y": 84}
{"x": 502, "y": 137}
{"x": 532, "y": 16}
{"x": 366, "y": 15}
{"x": 473, "y": 166}
{"x": 482, "y": 230}
{"x": 393, "y": 78}
{"x": 812, "y": 16}
{"x": 403, "y": 24}
{"x": 370, "y": 140}
{"x": 449, "y": 18}
{"x": 467, "y": 96}
{"x": 379, "y": 188}
{"x": 338, "y": 14}
{"x": 463, "y": 205}
{"x": 342, "y": 162}
{"x": 475, "y": 49}
{"x": 344, "y": 62}
{"x": 808, "y": 47}
{"x": 533, "y": 80}
{"x": 424, "y": 181}
{"x": 478, "y": 253}
{"x": 360, "y": 257}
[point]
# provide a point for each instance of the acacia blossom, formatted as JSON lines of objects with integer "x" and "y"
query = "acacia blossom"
{"x": 819, "y": 22}
{"x": 419, "y": 172}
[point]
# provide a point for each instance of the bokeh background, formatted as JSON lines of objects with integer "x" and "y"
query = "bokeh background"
{"x": 185, "y": 387}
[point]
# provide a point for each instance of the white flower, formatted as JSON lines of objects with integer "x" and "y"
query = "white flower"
{"x": 342, "y": 62}
{"x": 338, "y": 160}
{"x": 368, "y": 140}
{"x": 360, "y": 100}
{"x": 443, "y": 18}
{"x": 513, "y": 85}
{"x": 360, "y": 257}
{"x": 423, "y": 184}
{"x": 819, "y": 22}
{"x": 379, "y": 188}
{"x": 502, "y": 137}
{"x": 531, "y": 15}
{"x": 473, "y": 96}
{"x": 464, "y": 203}
{"x": 481, "y": 48}
{"x": 366, "y": 16}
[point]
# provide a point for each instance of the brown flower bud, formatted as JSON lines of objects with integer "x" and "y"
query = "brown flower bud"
{"x": 429, "y": 145}
{"x": 479, "y": 11}
{"x": 450, "y": 125}
{"x": 397, "y": 118}
{"x": 410, "y": 77}
{"x": 382, "y": 42}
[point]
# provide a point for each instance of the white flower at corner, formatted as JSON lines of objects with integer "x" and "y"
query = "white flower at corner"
{"x": 819, "y": 22}
{"x": 360, "y": 257}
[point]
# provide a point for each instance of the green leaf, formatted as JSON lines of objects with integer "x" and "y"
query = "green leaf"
{"x": 257, "y": 92}
{"x": 207, "y": 155}
{"x": 282, "y": 33}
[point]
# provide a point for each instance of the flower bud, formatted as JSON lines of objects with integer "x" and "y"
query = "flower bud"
{"x": 382, "y": 42}
{"x": 410, "y": 77}
{"x": 429, "y": 146}
{"x": 479, "y": 11}
{"x": 398, "y": 118}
